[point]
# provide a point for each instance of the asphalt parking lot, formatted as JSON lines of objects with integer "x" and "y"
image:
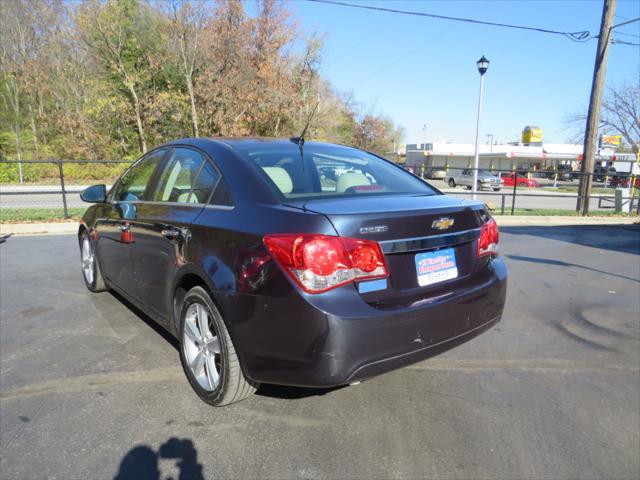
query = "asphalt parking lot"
{"x": 89, "y": 389}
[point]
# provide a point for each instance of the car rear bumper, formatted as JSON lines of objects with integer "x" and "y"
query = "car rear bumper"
{"x": 329, "y": 340}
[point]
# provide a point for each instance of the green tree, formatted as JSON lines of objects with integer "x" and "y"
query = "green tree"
{"x": 123, "y": 36}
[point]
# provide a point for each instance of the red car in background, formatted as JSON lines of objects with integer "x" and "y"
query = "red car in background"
{"x": 623, "y": 181}
{"x": 509, "y": 178}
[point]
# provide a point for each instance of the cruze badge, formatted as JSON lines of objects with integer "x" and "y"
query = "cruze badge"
{"x": 443, "y": 223}
{"x": 374, "y": 229}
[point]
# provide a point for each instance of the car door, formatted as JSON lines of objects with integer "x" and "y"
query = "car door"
{"x": 161, "y": 229}
{"x": 115, "y": 238}
{"x": 466, "y": 178}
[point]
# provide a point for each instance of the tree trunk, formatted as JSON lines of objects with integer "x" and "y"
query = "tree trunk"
{"x": 18, "y": 153}
{"x": 194, "y": 112}
{"x": 136, "y": 105}
{"x": 275, "y": 131}
{"x": 15, "y": 104}
{"x": 35, "y": 134}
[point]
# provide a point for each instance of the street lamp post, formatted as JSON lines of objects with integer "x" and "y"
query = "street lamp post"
{"x": 490, "y": 136}
{"x": 483, "y": 65}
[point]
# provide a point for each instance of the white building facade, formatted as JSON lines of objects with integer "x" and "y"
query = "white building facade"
{"x": 457, "y": 156}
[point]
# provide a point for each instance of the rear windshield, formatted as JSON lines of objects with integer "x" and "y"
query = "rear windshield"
{"x": 329, "y": 171}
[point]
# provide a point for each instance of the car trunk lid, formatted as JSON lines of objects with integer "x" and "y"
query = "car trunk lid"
{"x": 406, "y": 226}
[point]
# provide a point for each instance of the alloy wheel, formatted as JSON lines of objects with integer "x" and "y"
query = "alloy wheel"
{"x": 87, "y": 261}
{"x": 201, "y": 347}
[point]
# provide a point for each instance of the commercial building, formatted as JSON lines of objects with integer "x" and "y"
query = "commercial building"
{"x": 448, "y": 156}
{"x": 531, "y": 155}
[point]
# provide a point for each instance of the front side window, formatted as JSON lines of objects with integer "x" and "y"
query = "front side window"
{"x": 186, "y": 178}
{"x": 132, "y": 185}
{"x": 322, "y": 171}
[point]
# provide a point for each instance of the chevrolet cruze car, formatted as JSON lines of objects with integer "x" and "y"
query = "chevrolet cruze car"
{"x": 292, "y": 263}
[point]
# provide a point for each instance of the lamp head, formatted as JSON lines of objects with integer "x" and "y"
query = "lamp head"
{"x": 483, "y": 65}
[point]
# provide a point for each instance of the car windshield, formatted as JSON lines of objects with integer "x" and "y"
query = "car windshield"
{"x": 329, "y": 171}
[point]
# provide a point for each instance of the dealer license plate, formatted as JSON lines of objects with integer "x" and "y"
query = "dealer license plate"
{"x": 434, "y": 267}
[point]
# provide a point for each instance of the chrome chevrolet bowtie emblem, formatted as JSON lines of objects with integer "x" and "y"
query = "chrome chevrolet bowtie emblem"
{"x": 442, "y": 223}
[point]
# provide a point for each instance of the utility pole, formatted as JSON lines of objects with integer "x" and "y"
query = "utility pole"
{"x": 595, "y": 102}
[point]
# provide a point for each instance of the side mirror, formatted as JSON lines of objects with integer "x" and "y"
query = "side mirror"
{"x": 94, "y": 194}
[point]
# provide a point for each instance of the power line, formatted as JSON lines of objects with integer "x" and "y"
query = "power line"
{"x": 372, "y": 33}
{"x": 580, "y": 36}
{"x": 625, "y": 23}
{"x": 628, "y": 34}
{"x": 623, "y": 42}
{"x": 399, "y": 59}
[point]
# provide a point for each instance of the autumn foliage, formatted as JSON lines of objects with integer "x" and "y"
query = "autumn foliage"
{"x": 107, "y": 79}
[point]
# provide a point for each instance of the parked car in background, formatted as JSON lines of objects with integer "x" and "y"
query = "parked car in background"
{"x": 510, "y": 179}
{"x": 624, "y": 181}
{"x": 485, "y": 180}
{"x": 435, "y": 173}
{"x": 291, "y": 262}
{"x": 601, "y": 173}
{"x": 564, "y": 172}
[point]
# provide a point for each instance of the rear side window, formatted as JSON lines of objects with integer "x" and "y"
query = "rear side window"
{"x": 328, "y": 170}
{"x": 132, "y": 186}
{"x": 204, "y": 183}
{"x": 186, "y": 178}
{"x": 221, "y": 195}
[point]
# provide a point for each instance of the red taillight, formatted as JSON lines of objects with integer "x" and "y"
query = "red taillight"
{"x": 488, "y": 241}
{"x": 322, "y": 262}
{"x": 322, "y": 257}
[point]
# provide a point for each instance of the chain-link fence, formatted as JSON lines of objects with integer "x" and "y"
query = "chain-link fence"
{"x": 51, "y": 189}
{"x": 518, "y": 191}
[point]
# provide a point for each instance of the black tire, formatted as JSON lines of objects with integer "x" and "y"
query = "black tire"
{"x": 496, "y": 189}
{"x": 523, "y": 184}
{"x": 97, "y": 283}
{"x": 469, "y": 187}
{"x": 452, "y": 183}
{"x": 233, "y": 386}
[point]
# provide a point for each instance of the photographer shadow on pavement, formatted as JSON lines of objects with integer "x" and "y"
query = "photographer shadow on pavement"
{"x": 142, "y": 462}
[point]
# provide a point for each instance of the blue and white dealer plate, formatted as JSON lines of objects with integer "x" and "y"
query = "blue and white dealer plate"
{"x": 434, "y": 267}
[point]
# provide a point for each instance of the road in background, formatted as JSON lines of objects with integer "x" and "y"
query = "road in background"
{"x": 89, "y": 388}
{"x": 30, "y": 197}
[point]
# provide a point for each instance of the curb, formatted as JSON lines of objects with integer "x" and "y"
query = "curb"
{"x": 63, "y": 228}
{"x": 60, "y": 228}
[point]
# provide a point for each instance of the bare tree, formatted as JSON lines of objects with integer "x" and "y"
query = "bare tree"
{"x": 620, "y": 115}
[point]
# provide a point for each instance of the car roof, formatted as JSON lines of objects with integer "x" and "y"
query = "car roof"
{"x": 234, "y": 142}
{"x": 244, "y": 181}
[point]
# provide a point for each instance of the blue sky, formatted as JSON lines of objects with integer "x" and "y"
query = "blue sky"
{"x": 422, "y": 71}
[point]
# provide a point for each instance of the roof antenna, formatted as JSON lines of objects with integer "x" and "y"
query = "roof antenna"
{"x": 300, "y": 140}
